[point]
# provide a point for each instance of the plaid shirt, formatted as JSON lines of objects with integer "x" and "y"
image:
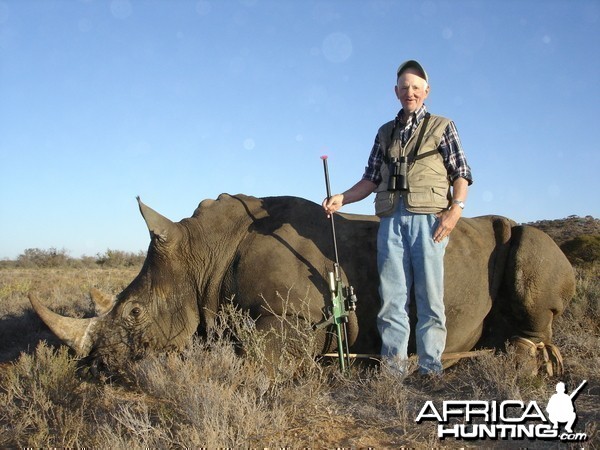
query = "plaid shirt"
{"x": 450, "y": 149}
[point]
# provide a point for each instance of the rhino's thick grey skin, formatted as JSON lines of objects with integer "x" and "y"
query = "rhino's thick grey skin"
{"x": 501, "y": 280}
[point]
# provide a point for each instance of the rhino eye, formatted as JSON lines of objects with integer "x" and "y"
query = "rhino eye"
{"x": 135, "y": 312}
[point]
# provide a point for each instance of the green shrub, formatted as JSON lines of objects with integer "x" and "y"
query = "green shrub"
{"x": 582, "y": 249}
{"x": 38, "y": 258}
{"x": 39, "y": 398}
{"x": 118, "y": 258}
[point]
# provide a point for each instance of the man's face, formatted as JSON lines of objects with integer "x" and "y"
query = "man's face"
{"x": 411, "y": 90}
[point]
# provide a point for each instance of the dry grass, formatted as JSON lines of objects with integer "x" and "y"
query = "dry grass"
{"x": 208, "y": 396}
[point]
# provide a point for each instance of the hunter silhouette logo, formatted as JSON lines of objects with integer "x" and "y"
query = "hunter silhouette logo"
{"x": 509, "y": 419}
{"x": 560, "y": 407}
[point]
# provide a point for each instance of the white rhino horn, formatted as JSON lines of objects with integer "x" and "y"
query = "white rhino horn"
{"x": 158, "y": 225}
{"x": 102, "y": 302}
{"x": 73, "y": 332}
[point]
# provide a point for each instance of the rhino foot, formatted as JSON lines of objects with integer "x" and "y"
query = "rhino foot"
{"x": 538, "y": 356}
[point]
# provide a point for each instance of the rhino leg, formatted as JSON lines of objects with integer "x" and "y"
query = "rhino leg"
{"x": 539, "y": 282}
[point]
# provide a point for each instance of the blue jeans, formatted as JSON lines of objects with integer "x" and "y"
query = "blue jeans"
{"x": 408, "y": 258}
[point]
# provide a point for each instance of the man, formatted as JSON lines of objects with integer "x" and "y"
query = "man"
{"x": 416, "y": 218}
{"x": 560, "y": 407}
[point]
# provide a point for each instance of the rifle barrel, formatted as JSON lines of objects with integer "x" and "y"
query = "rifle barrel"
{"x": 574, "y": 393}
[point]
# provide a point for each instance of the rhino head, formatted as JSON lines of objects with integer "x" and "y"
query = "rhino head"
{"x": 157, "y": 312}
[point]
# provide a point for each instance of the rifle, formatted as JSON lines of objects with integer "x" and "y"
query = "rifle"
{"x": 576, "y": 391}
{"x": 343, "y": 299}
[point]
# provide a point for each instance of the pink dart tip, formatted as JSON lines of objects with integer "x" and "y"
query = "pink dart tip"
{"x": 324, "y": 157}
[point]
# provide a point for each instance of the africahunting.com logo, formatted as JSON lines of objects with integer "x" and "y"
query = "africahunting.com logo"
{"x": 509, "y": 419}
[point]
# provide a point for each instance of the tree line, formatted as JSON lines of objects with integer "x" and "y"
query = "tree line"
{"x": 36, "y": 258}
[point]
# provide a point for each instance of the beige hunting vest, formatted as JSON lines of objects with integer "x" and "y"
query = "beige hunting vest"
{"x": 428, "y": 183}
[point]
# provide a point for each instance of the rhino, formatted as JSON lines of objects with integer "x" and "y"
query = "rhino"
{"x": 503, "y": 281}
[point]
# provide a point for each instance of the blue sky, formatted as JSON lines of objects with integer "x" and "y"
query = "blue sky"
{"x": 178, "y": 101}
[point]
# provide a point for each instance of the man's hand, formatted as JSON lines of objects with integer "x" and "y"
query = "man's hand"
{"x": 333, "y": 203}
{"x": 449, "y": 217}
{"x": 359, "y": 191}
{"x": 447, "y": 220}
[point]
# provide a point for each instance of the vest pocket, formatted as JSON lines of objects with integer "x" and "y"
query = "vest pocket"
{"x": 427, "y": 199}
{"x": 384, "y": 203}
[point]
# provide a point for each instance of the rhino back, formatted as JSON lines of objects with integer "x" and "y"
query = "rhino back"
{"x": 285, "y": 253}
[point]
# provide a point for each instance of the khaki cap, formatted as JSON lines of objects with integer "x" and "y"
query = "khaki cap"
{"x": 411, "y": 63}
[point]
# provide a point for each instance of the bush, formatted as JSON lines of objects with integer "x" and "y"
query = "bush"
{"x": 40, "y": 400}
{"x": 582, "y": 249}
{"x": 52, "y": 258}
{"x": 38, "y": 258}
{"x": 118, "y": 258}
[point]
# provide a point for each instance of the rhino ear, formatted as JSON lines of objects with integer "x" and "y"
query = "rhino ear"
{"x": 158, "y": 225}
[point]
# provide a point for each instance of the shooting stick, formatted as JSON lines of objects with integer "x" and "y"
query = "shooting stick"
{"x": 338, "y": 311}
